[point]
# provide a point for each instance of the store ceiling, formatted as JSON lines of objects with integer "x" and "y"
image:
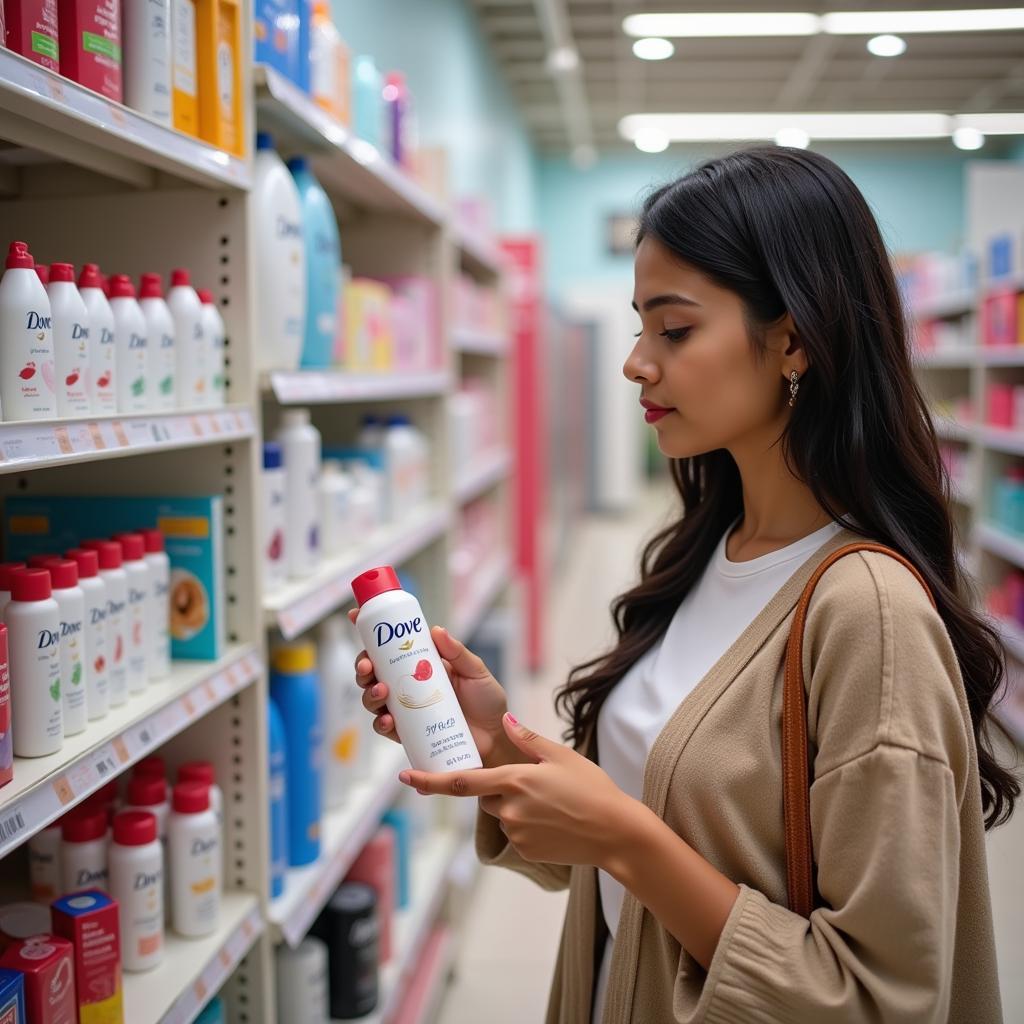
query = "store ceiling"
{"x": 953, "y": 73}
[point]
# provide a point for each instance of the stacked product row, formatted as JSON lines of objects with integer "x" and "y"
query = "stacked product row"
{"x": 475, "y": 307}
{"x": 475, "y": 417}
{"x": 312, "y": 312}
{"x": 1007, "y": 507}
{"x": 317, "y": 501}
{"x": 80, "y": 634}
{"x": 479, "y": 542}
{"x": 94, "y": 349}
{"x": 1005, "y": 600}
{"x": 176, "y": 61}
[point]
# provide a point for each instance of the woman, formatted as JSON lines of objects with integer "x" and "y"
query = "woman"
{"x": 774, "y": 365}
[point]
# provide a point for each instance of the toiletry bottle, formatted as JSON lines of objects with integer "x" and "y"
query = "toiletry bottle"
{"x": 189, "y": 341}
{"x": 44, "y": 870}
{"x": 160, "y": 335}
{"x": 114, "y": 579}
{"x": 202, "y": 772}
{"x": 71, "y": 342}
{"x": 147, "y": 56}
{"x": 137, "y": 628}
{"x": 218, "y": 56}
{"x": 160, "y": 612}
{"x": 184, "y": 77}
{"x": 216, "y": 340}
{"x": 343, "y": 710}
{"x": 103, "y": 349}
{"x": 153, "y": 766}
{"x": 83, "y": 849}
{"x": 136, "y": 868}
{"x": 134, "y": 391}
{"x": 324, "y": 63}
{"x": 194, "y": 848}
{"x": 300, "y": 445}
{"x": 275, "y": 567}
{"x": 302, "y": 987}
{"x": 94, "y": 591}
{"x": 73, "y": 671}
{"x": 351, "y": 929}
{"x": 6, "y": 568}
{"x": 278, "y": 788}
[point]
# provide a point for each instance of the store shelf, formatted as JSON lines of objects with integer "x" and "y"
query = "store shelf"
{"x": 479, "y": 251}
{"x": 490, "y": 581}
{"x": 193, "y": 970}
{"x": 343, "y": 834}
{"x": 46, "y": 787}
{"x": 952, "y": 430}
{"x": 471, "y": 341}
{"x": 999, "y": 440}
{"x": 299, "y": 604}
{"x": 490, "y": 470}
{"x": 946, "y": 359}
{"x": 317, "y": 387}
{"x": 431, "y": 869}
{"x": 1012, "y": 636}
{"x": 356, "y": 170}
{"x": 43, "y": 111}
{"x": 948, "y": 306}
{"x": 38, "y": 444}
{"x": 997, "y": 541}
{"x": 1008, "y": 355}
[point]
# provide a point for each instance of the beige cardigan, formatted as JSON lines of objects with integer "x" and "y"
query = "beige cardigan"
{"x": 905, "y": 929}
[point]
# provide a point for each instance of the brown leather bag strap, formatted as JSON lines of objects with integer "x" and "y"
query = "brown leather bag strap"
{"x": 796, "y": 798}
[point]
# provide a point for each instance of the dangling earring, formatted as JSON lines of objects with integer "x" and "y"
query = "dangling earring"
{"x": 794, "y": 387}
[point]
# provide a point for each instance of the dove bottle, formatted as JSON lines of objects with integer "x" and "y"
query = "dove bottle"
{"x": 421, "y": 700}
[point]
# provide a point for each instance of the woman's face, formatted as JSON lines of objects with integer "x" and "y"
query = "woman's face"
{"x": 703, "y": 384}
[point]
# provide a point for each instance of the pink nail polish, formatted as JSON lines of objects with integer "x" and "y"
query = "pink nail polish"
{"x": 512, "y": 718}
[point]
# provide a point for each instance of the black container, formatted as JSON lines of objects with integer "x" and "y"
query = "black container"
{"x": 349, "y": 927}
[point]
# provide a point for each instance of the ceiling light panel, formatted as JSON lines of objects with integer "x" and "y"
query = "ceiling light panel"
{"x": 858, "y": 23}
{"x": 709, "y": 25}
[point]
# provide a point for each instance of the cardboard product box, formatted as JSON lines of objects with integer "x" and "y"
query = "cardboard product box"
{"x": 219, "y": 63}
{"x": 12, "y": 997}
{"x": 30, "y": 28}
{"x": 6, "y": 740}
{"x": 47, "y": 964}
{"x": 89, "y": 921}
{"x": 90, "y": 45}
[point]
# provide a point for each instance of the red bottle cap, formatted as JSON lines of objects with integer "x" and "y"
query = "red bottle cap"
{"x": 133, "y": 547}
{"x": 152, "y": 765}
{"x": 121, "y": 287}
{"x": 90, "y": 276}
{"x": 154, "y": 541}
{"x": 150, "y": 287}
{"x": 109, "y": 552}
{"x": 180, "y": 278}
{"x": 373, "y": 582}
{"x": 135, "y": 828}
{"x": 43, "y": 273}
{"x": 30, "y": 585}
{"x": 88, "y": 562}
{"x": 146, "y": 790}
{"x": 197, "y": 771}
{"x": 104, "y": 795}
{"x": 84, "y": 825}
{"x": 62, "y": 272}
{"x": 205, "y": 296}
{"x": 191, "y": 798}
{"x": 39, "y": 561}
{"x": 63, "y": 573}
{"x": 6, "y": 569}
{"x": 18, "y": 257}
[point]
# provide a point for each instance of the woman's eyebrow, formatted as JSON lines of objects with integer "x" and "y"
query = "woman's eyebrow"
{"x": 669, "y": 299}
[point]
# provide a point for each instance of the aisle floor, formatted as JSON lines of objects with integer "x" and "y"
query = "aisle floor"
{"x": 508, "y": 942}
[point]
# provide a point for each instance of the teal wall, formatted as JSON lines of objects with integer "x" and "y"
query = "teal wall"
{"x": 915, "y": 190}
{"x": 461, "y": 100}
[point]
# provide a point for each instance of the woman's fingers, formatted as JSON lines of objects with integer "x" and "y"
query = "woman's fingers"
{"x": 384, "y": 725}
{"x": 375, "y": 697}
{"x": 462, "y": 660}
{"x": 364, "y": 670}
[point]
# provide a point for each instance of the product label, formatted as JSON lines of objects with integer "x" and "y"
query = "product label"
{"x": 183, "y": 25}
{"x": 45, "y": 46}
{"x": 72, "y": 669}
{"x": 91, "y": 878}
{"x": 101, "y": 47}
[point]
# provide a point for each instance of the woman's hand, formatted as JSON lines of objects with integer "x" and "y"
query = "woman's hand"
{"x": 480, "y": 695}
{"x": 559, "y": 808}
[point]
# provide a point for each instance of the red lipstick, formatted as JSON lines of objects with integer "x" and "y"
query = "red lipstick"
{"x": 654, "y": 412}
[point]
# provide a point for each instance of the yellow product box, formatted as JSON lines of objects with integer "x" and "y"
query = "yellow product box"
{"x": 369, "y": 338}
{"x": 184, "y": 76}
{"x": 218, "y": 52}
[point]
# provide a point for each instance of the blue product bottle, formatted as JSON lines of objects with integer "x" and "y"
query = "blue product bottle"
{"x": 367, "y": 100}
{"x": 323, "y": 267}
{"x": 302, "y": 64}
{"x": 213, "y": 1012}
{"x": 398, "y": 819}
{"x": 277, "y": 35}
{"x": 278, "y": 801}
{"x": 295, "y": 689}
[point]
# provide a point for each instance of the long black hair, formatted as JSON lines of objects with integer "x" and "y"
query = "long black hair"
{"x": 789, "y": 232}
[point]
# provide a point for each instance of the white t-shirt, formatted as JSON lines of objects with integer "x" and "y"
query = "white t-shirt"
{"x": 726, "y": 599}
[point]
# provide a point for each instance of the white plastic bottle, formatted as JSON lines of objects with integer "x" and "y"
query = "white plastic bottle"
{"x": 302, "y": 982}
{"x": 194, "y": 851}
{"x": 149, "y": 793}
{"x": 216, "y": 341}
{"x": 6, "y": 569}
{"x": 325, "y": 60}
{"x": 343, "y": 710}
{"x": 160, "y": 609}
{"x": 137, "y": 630}
{"x": 371, "y": 434}
{"x": 83, "y": 849}
{"x": 134, "y": 390}
{"x": 116, "y": 582}
{"x": 335, "y": 505}
{"x": 421, "y": 700}
{"x": 189, "y": 341}
{"x": 103, "y": 350}
{"x": 44, "y": 864}
{"x": 26, "y": 341}
{"x": 73, "y": 668}
{"x": 147, "y": 58}
{"x": 300, "y": 446}
{"x": 136, "y": 866}
{"x": 201, "y": 773}
{"x": 33, "y": 636}
{"x": 94, "y": 592}
{"x": 275, "y": 550}
{"x": 72, "y": 347}
{"x": 160, "y": 336}
{"x": 280, "y": 260}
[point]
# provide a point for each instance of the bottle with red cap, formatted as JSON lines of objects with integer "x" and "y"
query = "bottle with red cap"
{"x": 421, "y": 700}
{"x": 131, "y": 345}
{"x": 33, "y": 634}
{"x": 116, "y": 582}
{"x": 83, "y": 849}
{"x": 26, "y": 341}
{"x": 72, "y": 345}
{"x": 216, "y": 339}
{"x": 194, "y": 853}
{"x": 6, "y": 568}
{"x": 71, "y": 604}
{"x": 136, "y": 865}
{"x": 189, "y": 341}
{"x": 94, "y": 593}
{"x": 103, "y": 351}
{"x": 203, "y": 773}
{"x": 160, "y": 334}
{"x": 133, "y": 555}
{"x": 160, "y": 605}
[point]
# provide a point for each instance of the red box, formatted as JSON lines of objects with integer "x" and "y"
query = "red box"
{"x": 89, "y": 921}
{"x": 375, "y": 867}
{"x": 31, "y": 30}
{"x": 90, "y": 45}
{"x": 6, "y": 741}
{"x": 999, "y": 318}
{"x": 46, "y": 961}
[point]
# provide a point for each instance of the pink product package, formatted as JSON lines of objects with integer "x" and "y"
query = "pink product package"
{"x": 375, "y": 867}
{"x": 416, "y": 322}
{"x": 1000, "y": 405}
{"x": 999, "y": 318}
